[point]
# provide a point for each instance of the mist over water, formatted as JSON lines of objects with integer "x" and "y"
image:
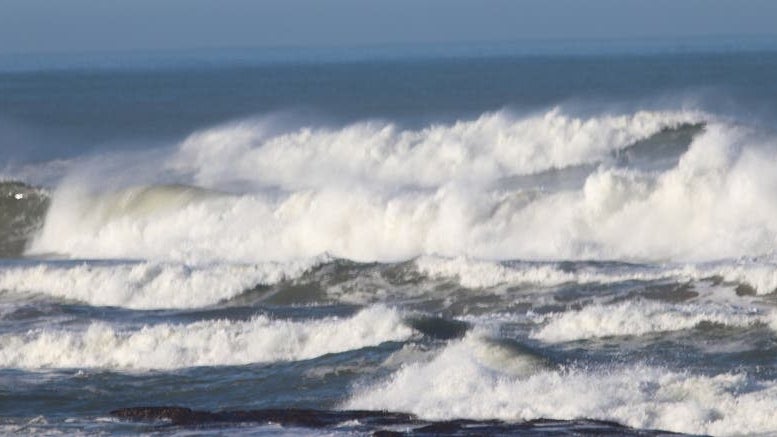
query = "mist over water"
{"x": 492, "y": 238}
{"x": 78, "y": 110}
{"x": 372, "y": 191}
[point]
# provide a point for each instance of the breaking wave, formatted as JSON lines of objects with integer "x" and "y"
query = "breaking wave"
{"x": 634, "y": 318}
{"x": 460, "y": 382}
{"x": 160, "y": 285}
{"x": 146, "y": 285}
{"x": 372, "y": 192}
{"x": 377, "y": 154}
{"x": 205, "y": 343}
{"x": 758, "y": 274}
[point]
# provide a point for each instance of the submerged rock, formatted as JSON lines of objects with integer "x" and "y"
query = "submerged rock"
{"x": 375, "y": 421}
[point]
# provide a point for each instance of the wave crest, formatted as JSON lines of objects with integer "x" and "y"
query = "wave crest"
{"x": 368, "y": 202}
{"x": 459, "y": 383}
{"x": 493, "y": 146}
{"x": 206, "y": 343}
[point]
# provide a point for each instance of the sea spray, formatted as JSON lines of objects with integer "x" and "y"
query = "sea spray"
{"x": 713, "y": 203}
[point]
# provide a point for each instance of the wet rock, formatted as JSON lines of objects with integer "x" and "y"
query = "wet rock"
{"x": 376, "y": 422}
{"x": 745, "y": 290}
{"x": 286, "y": 417}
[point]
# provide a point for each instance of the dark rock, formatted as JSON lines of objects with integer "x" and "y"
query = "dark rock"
{"x": 287, "y": 417}
{"x": 671, "y": 292}
{"x": 439, "y": 328}
{"x": 387, "y": 433}
{"x": 745, "y": 290}
{"x": 372, "y": 422}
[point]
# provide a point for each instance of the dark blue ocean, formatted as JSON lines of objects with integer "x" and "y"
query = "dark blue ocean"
{"x": 418, "y": 240}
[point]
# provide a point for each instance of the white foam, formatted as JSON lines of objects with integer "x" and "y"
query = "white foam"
{"x": 373, "y": 153}
{"x": 478, "y": 273}
{"x": 205, "y": 343}
{"x": 761, "y": 274}
{"x": 639, "y": 317}
{"x": 146, "y": 285}
{"x": 458, "y": 384}
{"x": 716, "y": 203}
{"x": 474, "y": 273}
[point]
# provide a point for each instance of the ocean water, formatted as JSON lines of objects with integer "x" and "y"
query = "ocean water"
{"x": 507, "y": 243}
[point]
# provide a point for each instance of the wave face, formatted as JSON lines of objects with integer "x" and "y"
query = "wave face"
{"x": 22, "y": 211}
{"x": 493, "y": 146}
{"x": 548, "y": 186}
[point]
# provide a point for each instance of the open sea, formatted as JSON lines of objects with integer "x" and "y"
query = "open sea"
{"x": 460, "y": 242}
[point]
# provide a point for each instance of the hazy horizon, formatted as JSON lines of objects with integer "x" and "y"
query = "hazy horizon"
{"x": 87, "y": 26}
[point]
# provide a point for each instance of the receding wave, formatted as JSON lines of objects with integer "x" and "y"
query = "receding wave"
{"x": 206, "y": 343}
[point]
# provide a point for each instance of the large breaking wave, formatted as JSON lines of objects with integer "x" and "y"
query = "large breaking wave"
{"x": 471, "y": 378}
{"x": 663, "y": 222}
{"x": 647, "y": 186}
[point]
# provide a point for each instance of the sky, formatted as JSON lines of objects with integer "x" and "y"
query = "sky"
{"x": 77, "y": 26}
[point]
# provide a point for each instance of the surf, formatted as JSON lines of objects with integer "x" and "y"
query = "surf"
{"x": 402, "y": 204}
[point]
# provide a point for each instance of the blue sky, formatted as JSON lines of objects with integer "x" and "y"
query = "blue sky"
{"x": 34, "y": 26}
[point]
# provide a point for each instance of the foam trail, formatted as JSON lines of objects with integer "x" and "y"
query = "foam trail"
{"x": 475, "y": 273}
{"x": 206, "y": 343}
{"x": 458, "y": 384}
{"x": 758, "y": 273}
{"x": 147, "y": 285}
{"x": 639, "y": 318}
